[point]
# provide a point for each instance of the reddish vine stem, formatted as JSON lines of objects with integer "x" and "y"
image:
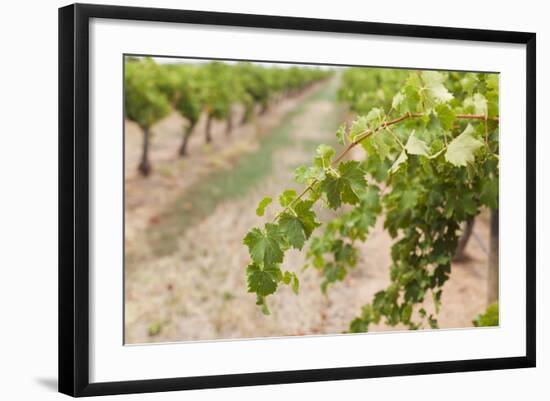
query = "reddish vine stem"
{"x": 364, "y": 135}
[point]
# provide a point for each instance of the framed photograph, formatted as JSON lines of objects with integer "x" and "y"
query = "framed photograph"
{"x": 251, "y": 199}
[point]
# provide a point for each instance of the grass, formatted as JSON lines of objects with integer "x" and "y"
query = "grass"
{"x": 198, "y": 201}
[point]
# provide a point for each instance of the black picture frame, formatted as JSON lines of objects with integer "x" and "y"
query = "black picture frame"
{"x": 74, "y": 194}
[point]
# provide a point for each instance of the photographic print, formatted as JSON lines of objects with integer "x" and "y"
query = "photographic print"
{"x": 235, "y": 210}
{"x": 264, "y": 199}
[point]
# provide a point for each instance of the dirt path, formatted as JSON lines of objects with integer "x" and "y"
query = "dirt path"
{"x": 197, "y": 289}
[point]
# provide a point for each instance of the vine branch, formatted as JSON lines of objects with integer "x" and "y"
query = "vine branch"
{"x": 367, "y": 133}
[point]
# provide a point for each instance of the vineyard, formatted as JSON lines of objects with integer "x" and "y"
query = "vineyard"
{"x": 387, "y": 189}
{"x": 215, "y": 89}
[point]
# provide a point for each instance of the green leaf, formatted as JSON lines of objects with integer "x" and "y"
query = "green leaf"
{"x": 492, "y": 82}
{"x": 287, "y": 197}
{"x": 305, "y": 175}
{"x": 287, "y": 277}
{"x": 262, "y": 281}
{"x": 374, "y": 118}
{"x": 307, "y": 216}
{"x": 324, "y": 156}
{"x": 376, "y": 145}
{"x": 462, "y": 148}
{"x": 489, "y": 193}
{"x": 301, "y": 174}
{"x": 398, "y": 162}
{"x": 293, "y": 230}
{"x": 344, "y": 187}
{"x": 295, "y": 284}
{"x": 415, "y": 146}
{"x": 332, "y": 187}
{"x": 260, "y": 301}
{"x": 446, "y": 115}
{"x": 333, "y": 272}
{"x": 298, "y": 224}
{"x": 469, "y": 82}
{"x": 433, "y": 83}
{"x": 341, "y": 134}
{"x": 265, "y": 246}
{"x": 397, "y": 100}
{"x": 406, "y": 313}
{"x": 292, "y": 279}
{"x": 358, "y": 127}
{"x": 478, "y": 102}
{"x": 265, "y": 309}
{"x": 352, "y": 171}
{"x": 488, "y": 318}
{"x": 412, "y": 97}
{"x": 260, "y": 210}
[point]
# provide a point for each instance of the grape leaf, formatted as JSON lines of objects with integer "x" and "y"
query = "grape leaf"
{"x": 298, "y": 225}
{"x": 433, "y": 83}
{"x": 295, "y": 283}
{"x": 374, "y": 118}
{"x": 400, "y": 160}
{"x": 301, "y": 174}
{"x": 469, "y": 82}
{"x": 375, "y": 144}
{"x": 260, "y": 210}
{"x": 262, "y": 281}
{"x": 461, "y": 149}
{"x": 305, "y": 175}
{"x": 358, "y": 127}
{"x": 324, "y": 156}
{"x": 287, "y": 277}
{"x": 492, "y": 82}
{"x": 412, "y": 97}
{"x": 292, "y": 279}
{"x": 287, "y": 197}
{"x": 344, "y": 187}
{"x": 415, "y": 146}
{"x": 446, "y": 115}
{"x": 306, "y": 216}
{"x": 265, "y": 246}
{"x": 478, "y": 103}
{"x": 397, "y": 100}
{"x": 341, "y": 134}
{"x": 406, "y": 313}
{"x": 293, "y": 230}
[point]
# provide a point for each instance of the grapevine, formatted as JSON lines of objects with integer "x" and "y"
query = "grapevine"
{"x": 430, "y": 142}
{"x": 211, "y": 89}
{"x": 144, "y": 102}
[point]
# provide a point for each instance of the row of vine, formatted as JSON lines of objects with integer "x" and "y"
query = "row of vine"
{"x": 152, "y": 90}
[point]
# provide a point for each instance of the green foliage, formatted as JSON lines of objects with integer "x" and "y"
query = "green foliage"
{"x": 298, "y": 223}
{"x": 366, "y": 88}
{"x": 144, "y": 102}
{"x": 188, "y": 99}
{"x": 416, "y": 146}
{"x": 151, "y": 89}
{"x": 489, "y": 318}
{"x": 461, "y": 150}
{"x": 263, "y": 280}
{"x": 260, "y": 210}
{"x": 266, "y": 246}
{"x": 220, "y": 89}
{"x": 431, "y": 147}
{"x": 342, "y": 185}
